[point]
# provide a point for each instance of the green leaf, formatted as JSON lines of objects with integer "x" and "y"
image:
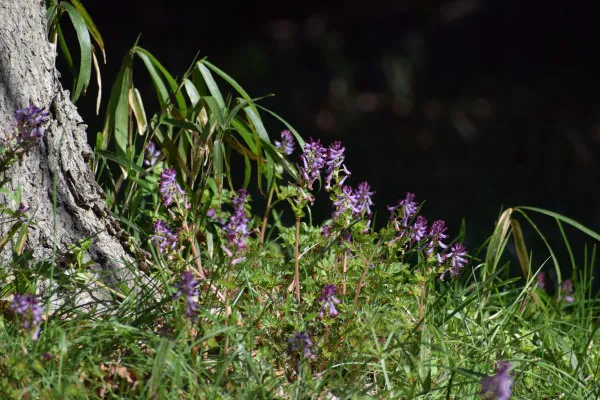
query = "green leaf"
{"x": 152, "y": 64}
{"x": 215, "y": 109}
{"x": 287, "y": 125}
{"x": 564, "y": 219}
{"x": 91, "y": 26}
{"x": 52, "y": 21}
{"x": 218, "y": 163}
{"x": 121, "y": 160}
{"x": 85, "y": 47}
{"x": 229, "y": 80}
{"x": 212, "y": 86}
{"x": 246, "y": 134}
{"x": 497, "y": 242}
{"x": 247, "y": 171}
{"x": 161, "y": 88}
{"x": 117, "y": 119}
{"x": 191, "y": 91}
{"x": 178, "y": 123}
{"x": 62, "y": 44}
{"x": 521, "y": 248}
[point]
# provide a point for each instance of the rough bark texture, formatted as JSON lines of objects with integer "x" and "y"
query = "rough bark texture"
{"x": 58, "y": 167}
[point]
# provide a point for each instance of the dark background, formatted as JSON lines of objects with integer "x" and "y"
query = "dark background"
{"x": 474, "y": 105}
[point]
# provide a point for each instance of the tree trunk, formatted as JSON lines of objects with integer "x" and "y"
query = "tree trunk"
{"x": 57, "y": 169}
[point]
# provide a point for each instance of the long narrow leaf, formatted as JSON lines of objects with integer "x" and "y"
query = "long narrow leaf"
{"x": 521, "y": 248}
{"x": 497, "y": 242}
{"x": 213, "y": 88}
{"x": 564, "y": 219}
{"x": 168, "y": 77}
{"x": 137, "y": 105}
{"x": 91, "y": 26}
{"x": 85, "y": 47}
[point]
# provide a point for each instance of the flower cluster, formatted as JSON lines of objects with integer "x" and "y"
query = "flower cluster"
{"x": 566, "y": 291}
{"x": 335, "y": 165}
{"x": 163, "y": 237}
{"x": 29, "y": 124}
{"x": 499, "y": 386}
{"x": 287, "y": 143}
{"x": 27, "y": 307}
{"x": 541, "y": 280}
{"x": 236, "y": 228}
{"x": 152, "y": 153}
{"x": 300, "y": 343}
{"x": 329, "y": 300}
{"x": 405, "y": 210}
{"x": 187, "y": 288}
{"x": 414, "y": 230}
{"x": 357, "y": 200}
{"x": 313, "y": 158}
{"x": 170, "y": 190}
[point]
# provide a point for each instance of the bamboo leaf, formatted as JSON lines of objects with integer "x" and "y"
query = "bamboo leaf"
{"x": 121, "y": 160}
{"x": 153, "y": 65}
{"x": 62, "y": 44}
{"x": 191, "y": 91}
{"x": 91, "y": 26}
{"x": 136, "y": 104}
{"x": 85, "y": 47}
{"x": 213, "y": 88}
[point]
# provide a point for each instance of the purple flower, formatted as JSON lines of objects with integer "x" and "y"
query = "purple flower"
{"x": 152, "y": 154}
{"x": 187, "y": 287}
{"x": 287, "y": 143}
{"x": 362, "y": 200}
{"x": 329, "y": 300}
{"x": 437, "y": 234}
{"x": 457, "y": 256}
{"x": 335, "y": 165}
{"x": 27, "y": 307}
{"x": 566, "y": 291}
{"x": 541, "y": 278}
{"x": 407, "y": 209}
{"x": 418, "y": 231}
{"x": 326, "y": 232}
{"x": 236, "y": 228}
{"x": 169, "y": 189}
{"x": 300, "y": 343}
{"x": 22, "y": 212}
{"x": 343, "y": 202}
{"x": 313, "y": 160}
{"x": 498, "y": 387}
{"x": 163, "y": 237}
{"x": 29, "y": 123}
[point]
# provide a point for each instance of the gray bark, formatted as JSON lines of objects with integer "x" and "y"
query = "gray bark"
{"x": 28, "y": 74}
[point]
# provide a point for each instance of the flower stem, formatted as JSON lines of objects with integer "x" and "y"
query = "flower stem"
{"x": 421, "y": 304}
{"x": 296, "y": 259}
{"x": 263, "y": 228}
{"x": 364, "y": 274}
{"x": 200, "y": 271}
{"x": 344, "y": 267}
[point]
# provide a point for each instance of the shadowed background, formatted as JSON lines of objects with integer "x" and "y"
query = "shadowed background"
{"x": 474, "y": 105}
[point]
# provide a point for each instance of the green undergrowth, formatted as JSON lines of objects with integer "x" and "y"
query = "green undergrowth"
{"x": 225, "y": 302}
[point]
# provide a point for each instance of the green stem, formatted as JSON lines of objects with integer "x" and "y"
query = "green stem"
{"x": 296, "y": 259}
